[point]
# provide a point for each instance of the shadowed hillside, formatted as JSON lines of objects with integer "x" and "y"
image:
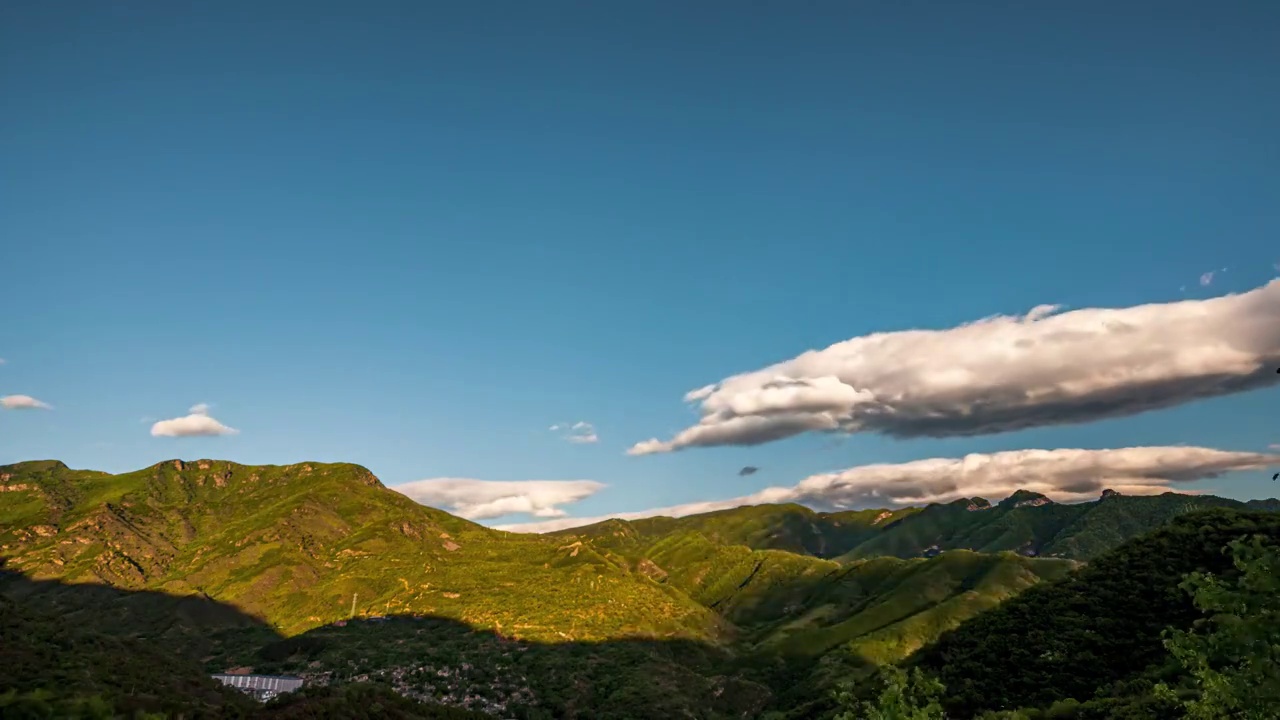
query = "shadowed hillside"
{"x": 95, "y": 646}
{"x": 86, "y": 644}
{"x": 90, "y": 651}
{"x": 1094, "y": 637}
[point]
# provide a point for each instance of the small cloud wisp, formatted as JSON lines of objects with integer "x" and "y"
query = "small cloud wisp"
{"x": 23, "y": 402}
{"x": 196, "y": 423}
{"x": 581, "y": 432}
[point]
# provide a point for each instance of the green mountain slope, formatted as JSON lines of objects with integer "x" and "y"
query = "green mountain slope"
{"x": 782, "y": 602}
{"x": 1027, "y": 523}
{"x": 790, "y": 527}
{"x": 297, "y": 545}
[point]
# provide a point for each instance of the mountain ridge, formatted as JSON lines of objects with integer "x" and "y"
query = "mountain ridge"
{"x": 1027, "y": 522}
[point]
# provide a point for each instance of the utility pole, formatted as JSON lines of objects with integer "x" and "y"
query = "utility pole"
{"x": 353, "y": 606}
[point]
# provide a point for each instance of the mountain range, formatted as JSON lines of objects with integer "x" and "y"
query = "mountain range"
{"x": 319, "y": 570}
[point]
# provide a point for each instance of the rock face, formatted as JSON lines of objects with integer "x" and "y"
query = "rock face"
{"x": 1024, "y": 498}
{"x": 1109, "y": 493}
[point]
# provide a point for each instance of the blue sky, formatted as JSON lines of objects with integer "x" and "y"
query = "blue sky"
{"x": 416, "y": 235}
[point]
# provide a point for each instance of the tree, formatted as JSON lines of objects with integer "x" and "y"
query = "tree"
{"x": 904, "y": 696}
{"x": 1233, "y": 655}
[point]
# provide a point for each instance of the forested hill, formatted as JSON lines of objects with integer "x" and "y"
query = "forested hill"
{"x": 1094, "y": 639}
{"x": 308, "y": 544}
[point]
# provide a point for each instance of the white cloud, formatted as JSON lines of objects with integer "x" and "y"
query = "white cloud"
{"x": 3, "y": 361}
{"x": 999, "y": 374}
{"x": 1065, "y": 475}
{"x": 198, "y": 422}
{"x": 1207, "y": 279}
{"x": 579, "y": 432}
{"x": 481, "y": 499}
{"x": 23, "y": 402}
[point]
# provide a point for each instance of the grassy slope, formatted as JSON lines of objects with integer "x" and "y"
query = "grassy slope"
{"x": 790, "y": 527}
{"x": 294, "y": 545}
{"x": 798, "y": 605}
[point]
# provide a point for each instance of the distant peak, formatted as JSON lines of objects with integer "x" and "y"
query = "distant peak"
{"x": 1025, "y": 498}
{"x": 34, "y": 466}
{"x": 974, "y": 503}
{"x": 1109, "y": 493}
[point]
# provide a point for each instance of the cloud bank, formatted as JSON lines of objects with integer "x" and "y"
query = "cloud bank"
{"x": 23, "y": 402}
{"x": 197, "y": 422}
{"x": 1065, "y": 475}
{"x": 481, "y": 499}
{"x": 999, "y": 374}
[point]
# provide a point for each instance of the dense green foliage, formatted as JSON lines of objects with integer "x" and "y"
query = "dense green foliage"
{"x": 358, "y": 701}
{"x": 75, "y": 666}
{"x": 1233, "y": 656}
{"x": 1094, "y": 639}
{"x": 903, "y": 695}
